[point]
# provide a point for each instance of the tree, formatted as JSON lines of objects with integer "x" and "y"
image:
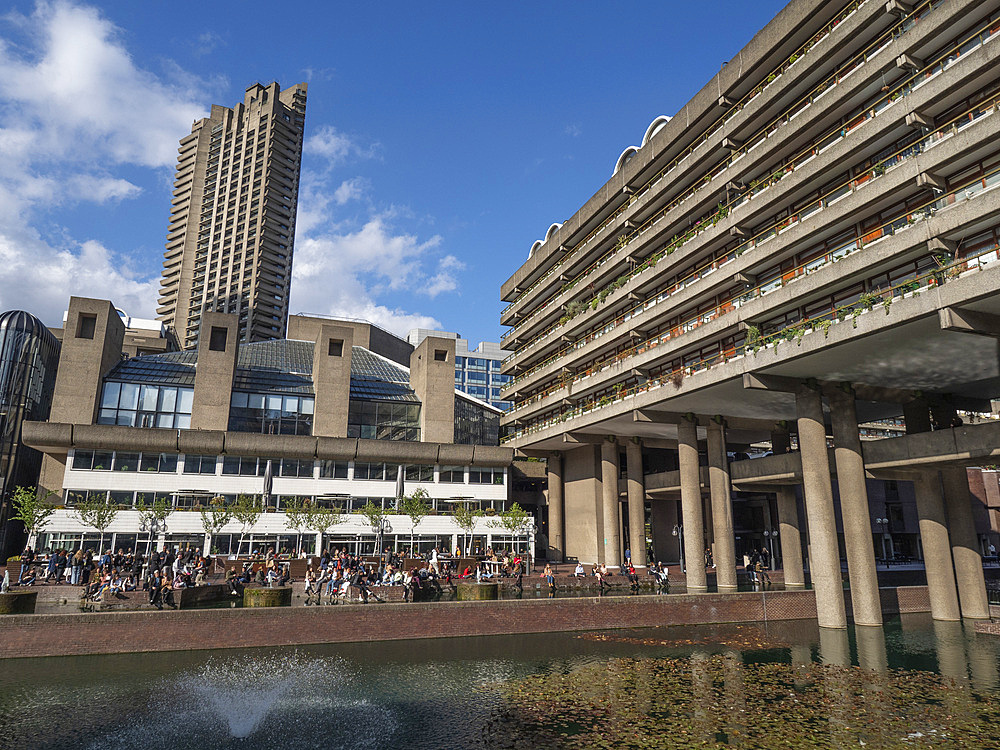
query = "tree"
{"x": 297, "y": 517}
{"x": 514, "y": 521}
{"x": 466, "y": 517}
{"x": 415, "y": 506}
{"x": 216, "y": 516}
{"x": 97, "y": 513}
{"x": 376, "y": 519}
{"x": 322, "y": 520}
{"x": 246, "y": 510}
{"x": 152, "y": 517}
{"x": 31, "y": 510}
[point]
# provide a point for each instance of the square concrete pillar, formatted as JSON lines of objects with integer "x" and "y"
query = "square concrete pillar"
{"x": 432, "y": 378}
{"x": 583, "y": 502}
{"x": 218, "y": 344}
{"x": 332, "y": 380}
{"x": 91, "y": 347}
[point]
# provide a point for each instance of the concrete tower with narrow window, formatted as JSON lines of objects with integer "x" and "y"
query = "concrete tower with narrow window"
{"x": 232, "y": 218}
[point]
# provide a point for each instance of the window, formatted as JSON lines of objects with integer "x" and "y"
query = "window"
{"x": 83, "y": 460}
{"x": 271, "y": 413}
{"x": 217, "y": 339}
{"x": 475, "y": 424}
{"x": 417, "y": 473}
{"x": 440, "y": 355}
{"x": 163, "y": 463}
{"x": 126, "y": 461}
{"x": 336, "y": 348}
{"x": 102, "y": 460}
{"x": 86, "y": 326}
{"x": 292, "y": 467}
{"x": 383, "y": 420}
{"x": 452, "y": 474}
{"x": 199, "y": 464}
{"x": 333, "y": 469}
{"x": 479, "y": 475}
{"x": 239, "y": 466}
{"x": 376, "y": 472}
{"x": 121, "y": 499}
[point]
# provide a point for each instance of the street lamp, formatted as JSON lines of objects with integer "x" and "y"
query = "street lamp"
{"x": 883, "y": 526}
{"x": 679, "y": 533}
{"x": 770, "y": 535}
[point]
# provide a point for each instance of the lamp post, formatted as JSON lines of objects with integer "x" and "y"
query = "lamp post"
{"x": 679, "y": 533}
{"x": 770, "y": 536}
{"x": 882, "y": 524}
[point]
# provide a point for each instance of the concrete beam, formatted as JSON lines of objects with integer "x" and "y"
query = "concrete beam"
{"x": 919, "y": 119}
{"x": 580, "y": 438}
{"x": 969, "y": 321}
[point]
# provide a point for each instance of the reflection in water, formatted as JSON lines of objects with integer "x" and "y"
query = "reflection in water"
{"x": 725, "y": 685}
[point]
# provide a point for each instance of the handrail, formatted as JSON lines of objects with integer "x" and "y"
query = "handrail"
{"x": 676, "y": 376}
{"x": 958, "y": 194}
{"x": 855, "y": 183}
{"x": 905, "y": 24}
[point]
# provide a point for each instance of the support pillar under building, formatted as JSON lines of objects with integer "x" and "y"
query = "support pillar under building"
{"x": 825, "y": 555}
{"x": 790, "y": 538}
{"x": 636, "y": 502}
{"x": 691, "y": 511}
{"x": 853, "y": 488}
{"x": 937, "y": 547}
{"x": 611, "y": 504}
{"x": 722, "y": 508}
{"x": 964, "y": 546}
{"x": 557, "y": 549}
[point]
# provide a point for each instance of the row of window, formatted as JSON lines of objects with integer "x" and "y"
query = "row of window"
{"x": 186, "y": 500}
{"x": 166, "y": 463}
{"x": 134, "y": 405}
{"x": 271, "y": 413}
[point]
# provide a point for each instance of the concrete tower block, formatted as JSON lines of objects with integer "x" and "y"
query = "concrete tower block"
{"x": 213, "y": 379}
{"x": 332, "y": 380}
{"x": 92, "y": 345}
{"x": 432, "y": 378}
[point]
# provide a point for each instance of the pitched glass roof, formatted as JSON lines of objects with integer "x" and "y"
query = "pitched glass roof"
{"x": 283, "y": 366}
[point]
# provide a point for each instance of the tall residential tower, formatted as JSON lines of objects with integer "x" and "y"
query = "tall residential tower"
{"x": 232, "y": 220}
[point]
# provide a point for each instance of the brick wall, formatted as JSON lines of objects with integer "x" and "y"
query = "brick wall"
{"x": 126, "y": 632}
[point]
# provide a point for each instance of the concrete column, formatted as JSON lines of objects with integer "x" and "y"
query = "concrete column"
{"x": 554, "y": 468}
{"x": 722, "y": 508}
{"x": 964, "y": 545}
{"x": 937, "y": 547}
{"x": 854, "y": 510}
{"x": 636, "y": 502}
{"x": 611, "y": 504}
{"x": 692, "y": 520}
{"x": 824, "y": 553}
{"x": 917, "y": 415}
{"x": 790, "y": 538}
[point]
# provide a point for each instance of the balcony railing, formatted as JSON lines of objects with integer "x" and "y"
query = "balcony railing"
{"x": 799, "y": 328}
{"x": 821, "y": 89}
{"x": 835, "y": 194}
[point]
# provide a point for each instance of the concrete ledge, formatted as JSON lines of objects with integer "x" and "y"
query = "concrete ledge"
{"x": 129, "y": 632}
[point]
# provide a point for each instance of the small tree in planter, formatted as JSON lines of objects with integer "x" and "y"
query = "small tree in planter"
{"x": 297, "y": 518}
{"x": 514, "y": 520}
{"x": 31, "y": 510}
{"x": 322, "y": 520}
{"x": 216, "y": 516}
{"x": 415, "y": 506}
{"x": 152, "y": 517}
{"x": 376, "y": 519}
{"x": 465, "y": 517}
{"x": 246, "y": 510}
{"x": 97, "y": 513}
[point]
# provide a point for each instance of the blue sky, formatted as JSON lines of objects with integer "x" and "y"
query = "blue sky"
{"x": 442, "y": 139}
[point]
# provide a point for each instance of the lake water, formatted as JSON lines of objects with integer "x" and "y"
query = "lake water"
{"x": 915, "y": 683}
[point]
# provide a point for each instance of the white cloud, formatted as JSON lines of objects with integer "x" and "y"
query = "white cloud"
{"x": 74, "y": 108}
{"x": 335, "y": 147}
{"x": 342, "y": 273}
{"x": 444, "y": 280}
{"x": 349, "y": 190}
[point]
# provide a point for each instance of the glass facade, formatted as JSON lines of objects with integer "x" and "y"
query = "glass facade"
{"x": 146, "y": 405}
{"x": 475, "y": 424}
{"x": 271, "y": 413}
{"x": 480, "y": 376}
{"x": 383, "y": 420}
{"x": 29, "y": 355}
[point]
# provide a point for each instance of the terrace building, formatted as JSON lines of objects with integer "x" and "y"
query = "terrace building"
{"x": 810, "y": 244}
{"x": 331, "y": 414}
